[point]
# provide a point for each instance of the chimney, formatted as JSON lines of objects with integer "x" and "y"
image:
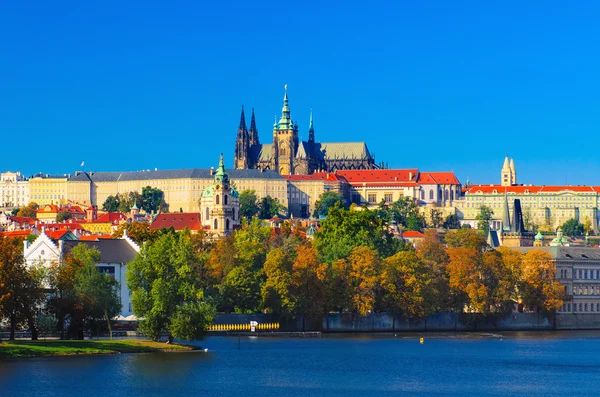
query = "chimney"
{"x": 410, "y": 176}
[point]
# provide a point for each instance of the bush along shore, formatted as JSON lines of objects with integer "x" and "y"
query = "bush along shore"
{"x": 20, "y": 348}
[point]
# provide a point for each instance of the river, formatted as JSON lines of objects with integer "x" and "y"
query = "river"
{"x": 551, "y": 363}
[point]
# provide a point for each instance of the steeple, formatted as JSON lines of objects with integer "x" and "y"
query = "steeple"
{"x": 221, "y": 176}
{"x": 311, "y": 129}
{"x": 253, "y": 133}
{"x": 285, "y": 123}
{"x": 506, "y": 174}
{"x": 242, "y": 145}
{"x": 513, "y": 172}
{"x": 242, "y": 127}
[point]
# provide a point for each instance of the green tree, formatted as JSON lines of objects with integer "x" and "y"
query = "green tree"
{"x": 248, "y": 204}
{"x": 405, "y": 212}
{"x": 127, "y": 201}
{"x": 139, "y": 232}
{"x": 343, "y": 230}
{"x": 15, "y": 211}
{"x": 326, "y": 201}
{"x": 112, "y": 203}
{"x": 452, "y": 222}
{"x": 436, "y": 219}
{"x": 269, "y": 207}
{"x": 165, "y": 291}
{"x": 63, "y": 216}
{"x": 572, "y": 227}
{"x": 153, "y": 200}
{"x": 240, "y": 291}
{"x": 465, "y": 238}
{"x": 483, "y": 217}
{"x": 276, "y": 291}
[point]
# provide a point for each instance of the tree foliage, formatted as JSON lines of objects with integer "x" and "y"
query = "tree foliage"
{"x": 326, "y": 201}
{"x": 483, "y": 217}
{"x": 112, "y": 203}
{"x": 153, "y": 200}
{"x": 572, "y": 227}
{"x": 29, "y": 211}
{"x": 248, "y": 204}
{"x": 269, "y": 207}
{"x": 63, "y": 216}
{"x": 165, "y": 291}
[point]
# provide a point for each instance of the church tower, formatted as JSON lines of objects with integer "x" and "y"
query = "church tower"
{"x": 242, "y": 144}
{"x": 285, "y": 140}
{"x": 253, "y": 133}
{"x": 220, "y": 205}
{"x": 513, "y": 172}
{"x": 506, "y": 173}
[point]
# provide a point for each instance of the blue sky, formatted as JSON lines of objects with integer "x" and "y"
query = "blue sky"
{"x": 436, "y": 85}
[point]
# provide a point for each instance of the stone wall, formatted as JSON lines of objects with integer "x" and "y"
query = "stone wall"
{"x": 578, "y": 321}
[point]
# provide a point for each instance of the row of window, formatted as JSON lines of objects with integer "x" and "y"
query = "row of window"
{"x": 585, "y": 274}
{"x": 586, "y": 290}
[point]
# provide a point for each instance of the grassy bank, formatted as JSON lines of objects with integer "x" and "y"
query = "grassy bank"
{"x": 77, "y": 347}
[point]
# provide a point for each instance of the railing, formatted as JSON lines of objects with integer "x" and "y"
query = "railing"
{"x": 243, "y": 327}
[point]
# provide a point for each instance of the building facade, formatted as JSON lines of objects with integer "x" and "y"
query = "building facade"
{"x": 14, "y": 190}
{"x": 48, "y": 189}
{"x": 545, "y": 207}
{"x": 288, "y": 155}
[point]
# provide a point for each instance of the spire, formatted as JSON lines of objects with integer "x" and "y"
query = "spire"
{"x": 221, "y": 176}
{"x": 506, "y": 166}
{"x": 311, "y": 129}
{"x": 512, "y": 165}
{"x": 242, "y": 127}
{"x": 286, "y": 121}
{"x": 506, "y": 214}
{"x": 253, "y": 134}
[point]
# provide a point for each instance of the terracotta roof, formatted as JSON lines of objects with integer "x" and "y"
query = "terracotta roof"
{"x": 439, "y": 178}
{"x": 178, "y": 221}
{"x": 412, "y": 233}
{"x": 60, "y": 226}
{"x": 96, "y": 237}
{"x": 51, "y": 208}
{"x": 497, "y": 189}
{"x": 384, "y": 177}
{"x": 22, "y": 219}
{"x": 56, "y": 234}
{"x": 16, "y": 234}
{"x": 317, "y": 176}
{"x": 109, "y": 217}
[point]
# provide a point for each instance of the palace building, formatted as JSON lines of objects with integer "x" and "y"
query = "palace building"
{"x": 288, "y": 155}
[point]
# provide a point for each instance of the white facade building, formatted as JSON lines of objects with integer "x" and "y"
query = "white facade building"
{"x": 14, "y": 190}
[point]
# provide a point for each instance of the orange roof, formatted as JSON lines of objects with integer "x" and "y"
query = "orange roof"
{"x": 22, "y": 219}
{"x": 16, "y": 234}
{"x": 380, "y": 176}
{"x": 60, "y": 226}
{"x": 497, "y": 189}
{"x": 178, "y": 221}
{"x": 56, "y": 234}
{"x": 412, "y": 233}
{"x": 111, "y": 217}
{"x": 438, "y": 178}
{"x": 317, "y": 176}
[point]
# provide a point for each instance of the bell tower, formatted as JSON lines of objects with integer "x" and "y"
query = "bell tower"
{"x": 285, "y": 140}
{"x": 242, "y": 144}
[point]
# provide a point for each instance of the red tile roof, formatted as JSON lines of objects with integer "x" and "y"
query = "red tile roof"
{"x": 16, "y": 234}
{"x": 177, "y": 220}
{"x": 60, "y": 226}
{"x": 22, "y": 220}
{"x": 317, "y": 176}
{"x": 56, "y": 234}
{"x": 497, "y": 189}
{"x": 412, "y": 233}
{"x": 355, "y": 177}
{"x": 112, "y": 217}
{"x": 439, "y": 178}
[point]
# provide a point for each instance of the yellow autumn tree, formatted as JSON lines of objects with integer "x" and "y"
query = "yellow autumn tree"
{"x": 364, "y": 278}
{"x": 539, "y": 286}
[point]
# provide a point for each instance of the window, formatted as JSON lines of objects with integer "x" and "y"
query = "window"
{"x": 431, "y": 194}
{"x": 569, "y": 307}
{"x": 216, "y": 224}
{"x": 216, "y": 199}
{"x": 422, "y": 194}
{"x": 372, "y": 198}
{"x": 227, "y": 224}
{"x": 585, "y": 308}
{"x": 225, "y": 199}
{"x": 388, "y": 197}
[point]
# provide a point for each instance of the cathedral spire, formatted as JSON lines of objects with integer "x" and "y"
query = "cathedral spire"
{"x": 506, "y": 214}
{"x": 286, "y": 121}
{"x": 242, "y": 126}
{"x": 253, "y": 133}
{"x": 311, "y": 129}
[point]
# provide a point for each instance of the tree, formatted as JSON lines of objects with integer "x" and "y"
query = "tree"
{"x": 436, "y": 219}
{"x": 539, "y": 286}
{"x": 139, "y": 232}
{"x": 572, "y": 227}
{"x": 465, "y": 238}
{"x": 452, "y": 222}
{"x": 308, "y": 281}
{"x": 153, "y": 200}
{"x": 484, "y": 217}
{"x": 15, "y": 211}
{"x": 326, "y": 201}
{"x": 276, "y": 291}
{"x": 269, "y": 207}
{"x": 240, "y": 291}
{"x": 364, "y": 278}
{"x": 343, "y": 230}
{"x": 405, "y": 212}
{"x": 127, "y": 201}
{"x": 165, "y": 292}
{"x": 248, "y": 204}
{"x": 29, "y": 211}
{"x": 20, "y": 287}
{"x": 112, "y": 203}
{"x": 407, "y": 285}
{"x": 63, "y": 216}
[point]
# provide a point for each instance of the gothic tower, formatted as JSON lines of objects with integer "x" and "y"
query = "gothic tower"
{"x": 285, "y": 140}
{"x": 242, "y": 144}
{"x": 506, "y": 174}
{"x": 513, "y": 172}
{"x": 253, "y": 133}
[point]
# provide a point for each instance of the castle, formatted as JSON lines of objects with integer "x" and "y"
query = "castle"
{"x": 288, "y": 155}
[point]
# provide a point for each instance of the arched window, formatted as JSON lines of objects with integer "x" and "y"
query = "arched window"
{"x": 422, "y": 194}
{"x": 206, "y": 217}
{"x": 431, "y": 194}
{"x": 216, "y": 224}
{"x": 227, "y": 224}
{"x": 451, "y": 194}
{"x": 234, "y": 214}
{"x": 225, "y": 199}
{"x": 217, "y": 199}
{"x": 446, "y": 194}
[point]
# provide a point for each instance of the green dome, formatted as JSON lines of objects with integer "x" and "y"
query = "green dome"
{"x": 209, "y": 191}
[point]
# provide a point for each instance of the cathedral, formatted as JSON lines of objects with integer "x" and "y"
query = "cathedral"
{"x": 288, "y": 155}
